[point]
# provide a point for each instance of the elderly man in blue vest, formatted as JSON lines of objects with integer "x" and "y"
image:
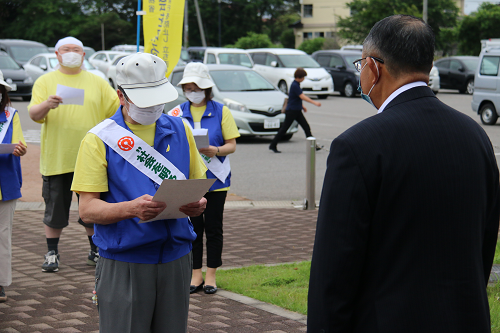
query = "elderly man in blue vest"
{"x": 142, "y": 279}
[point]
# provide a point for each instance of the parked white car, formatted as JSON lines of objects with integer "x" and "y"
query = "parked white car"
{"x": 434, "y": 81}
{"x": 278, "y": 67}
{"x": 111, "y": 75}
{"x": 103, "y": 59}
{"x": 227, "y": 56}
{"x": 486, "y": 95}
{"x": 46, "y": 62}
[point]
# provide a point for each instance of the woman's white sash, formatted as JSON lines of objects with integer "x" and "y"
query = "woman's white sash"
{"x": 137, "y": 152}
{"x": 220, "y": 169}
{"x": 4, "y": 127}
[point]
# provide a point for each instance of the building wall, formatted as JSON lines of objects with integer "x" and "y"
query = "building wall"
{"x": 325, "y": 13}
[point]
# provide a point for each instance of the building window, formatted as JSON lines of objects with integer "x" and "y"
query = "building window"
{"x": 308, "y": 35}
{"x": 319, "y": 34}
{"x": 308, "y": 10}
{"x": 329, "y": 34}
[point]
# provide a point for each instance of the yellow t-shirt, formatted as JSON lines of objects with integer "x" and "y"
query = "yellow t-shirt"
{"x": 228, "y": 126}
{"x": 17, "y": 135}
{"x": 65, "y": 126}
{"x": 91, "y": 165}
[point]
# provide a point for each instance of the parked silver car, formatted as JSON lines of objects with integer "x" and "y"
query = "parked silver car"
{"x": 253, "y": 101}
{"x": 486, "y": 96}
{"x": 46, "y": 62}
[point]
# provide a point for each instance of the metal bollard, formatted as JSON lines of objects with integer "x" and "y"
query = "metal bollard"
{"x": 309, "y": 201}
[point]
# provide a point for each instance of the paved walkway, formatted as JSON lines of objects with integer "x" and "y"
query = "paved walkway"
{"x": 61, "y": 302}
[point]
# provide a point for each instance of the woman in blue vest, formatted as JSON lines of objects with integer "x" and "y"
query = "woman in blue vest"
{"x": 200, "y": 111}
{"x": 10, "y": 181}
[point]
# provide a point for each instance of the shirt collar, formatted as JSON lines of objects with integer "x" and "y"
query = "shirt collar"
{"x": 399, "y": 91}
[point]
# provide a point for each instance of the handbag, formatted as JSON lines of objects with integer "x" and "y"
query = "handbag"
{"x": 285, "y": 103}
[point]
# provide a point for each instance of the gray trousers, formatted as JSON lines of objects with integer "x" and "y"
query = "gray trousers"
{"x": 143, "y": 298}
{"x": 7, "y": 209}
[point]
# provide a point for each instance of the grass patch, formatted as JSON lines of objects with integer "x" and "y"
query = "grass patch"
{"x": 283, "y": 285}
{"x": 286, "y": 286}
{"x": 497, "y": 254}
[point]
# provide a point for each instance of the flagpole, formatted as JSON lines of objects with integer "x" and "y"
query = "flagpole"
{"x": 139, "y": 14}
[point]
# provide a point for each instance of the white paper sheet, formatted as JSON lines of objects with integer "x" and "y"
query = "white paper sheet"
{"x": 7, "y": 148}
{"x": 177, "y": 193}
{"x": 201, "y": 137}
{"x": 70, "y": 96}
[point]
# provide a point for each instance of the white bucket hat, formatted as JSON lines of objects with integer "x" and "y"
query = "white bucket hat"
{"x": 2, "y": 82}
{"x": 197, "y": 73}
{"x": 142, "y": 76}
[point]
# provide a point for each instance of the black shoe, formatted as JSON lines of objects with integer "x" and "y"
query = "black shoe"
{"x": 3, "y": 297}
{"x": 92, "y": 258}
{"x": 210, "y": 289}
{"x": 51, "y": 263}
{"x": 274, "y": 149}
{"x": 193, "y": 289}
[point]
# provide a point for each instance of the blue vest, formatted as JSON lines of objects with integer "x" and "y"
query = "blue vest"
{"x": 11, "y": 178}
{"x": 153, "y": 242}
{"x": 211, "y": 120}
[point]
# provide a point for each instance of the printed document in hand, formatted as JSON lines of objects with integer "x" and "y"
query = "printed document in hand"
{"x": 70, "y": 95}
{"x": 201, "y": 137}
{"x": 7, "y": 148}
{"x": 177, "y": 193}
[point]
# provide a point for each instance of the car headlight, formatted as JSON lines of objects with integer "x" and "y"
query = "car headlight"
{"x": 327, "y": 77}
{"x": 233, "y": 105}
{"x": 28, "y": 80}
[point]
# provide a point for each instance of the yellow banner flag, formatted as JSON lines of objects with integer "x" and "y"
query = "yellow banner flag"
{"x": 163, "y": 30}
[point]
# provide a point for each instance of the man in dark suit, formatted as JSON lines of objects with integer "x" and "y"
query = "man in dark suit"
{"x": 408, "y": 218}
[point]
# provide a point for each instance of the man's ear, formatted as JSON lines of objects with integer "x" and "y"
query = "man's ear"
{"x": 374, "y": 70}
{"x": 121, "y": 96}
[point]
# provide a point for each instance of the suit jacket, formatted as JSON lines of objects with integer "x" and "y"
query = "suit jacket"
{"x": 407, "y": 225}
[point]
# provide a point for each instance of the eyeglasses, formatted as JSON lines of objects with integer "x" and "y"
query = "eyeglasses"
{"x": 357, "y": 63}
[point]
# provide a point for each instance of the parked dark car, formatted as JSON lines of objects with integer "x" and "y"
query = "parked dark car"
{"x": 22, "y": 50}
{"x": 196, "y": 53}
{"x": 457, "y": 73}
{"x": 20, "y": 82}
{"x": 340, "y": 66}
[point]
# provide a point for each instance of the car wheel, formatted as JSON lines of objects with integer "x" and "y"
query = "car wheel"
{"x": 283, "y": 87}
{"x": 470, "y": 87}
{"x": 322, "y": 96}
{"x": 349, "y": 89}
{"x": 488, "y": 114}
{"x": 26, "y": 98}
{"x": 287, "y": 137}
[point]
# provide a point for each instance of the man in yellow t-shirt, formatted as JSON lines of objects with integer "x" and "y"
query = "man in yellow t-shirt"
{"x": 63, "y": 128}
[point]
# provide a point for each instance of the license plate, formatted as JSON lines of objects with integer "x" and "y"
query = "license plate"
{"x": 13, "y": 86}
{"x": 316, "y": 87}
{"x": 271, "y": 123}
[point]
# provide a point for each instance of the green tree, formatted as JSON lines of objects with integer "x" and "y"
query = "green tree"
{"x": 287, "y": 38}
{"x": 483, "y": 24}
{"x": 253, "y": 41}
{"x": 312, "y": 45}
{"x": 365, "y": 13}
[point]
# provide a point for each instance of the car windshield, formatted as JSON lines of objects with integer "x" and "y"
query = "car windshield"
{"x": 350, "y": 59}
{"x": 117, "y": 59}
{"x": 184, "y": 55}
{"x": 87, "y": 64}
{"x": 241, "y": 59}
{"x": 298, "y": 60}
{"x": 23, "y": 53}
{"x": 6, "y": 62}
{"x": 114, "y": 55}
{"x": 235, "y": 80}
{"x": 53, "y": 62}
{"x": 471, "y": 64}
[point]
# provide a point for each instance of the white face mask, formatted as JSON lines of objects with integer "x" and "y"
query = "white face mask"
{"x": 145, "y": 116}
{"x": 71, "y": 59}
{"x": 195, "y": 97}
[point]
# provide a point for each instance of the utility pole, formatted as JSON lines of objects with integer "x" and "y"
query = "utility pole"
{"x": 200, "y": 24}
{"x": 220, "y": 35}
{"x": 102, "y": 36}
{"x": 425, "y": 11}
{"x": 186, "y": 27}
